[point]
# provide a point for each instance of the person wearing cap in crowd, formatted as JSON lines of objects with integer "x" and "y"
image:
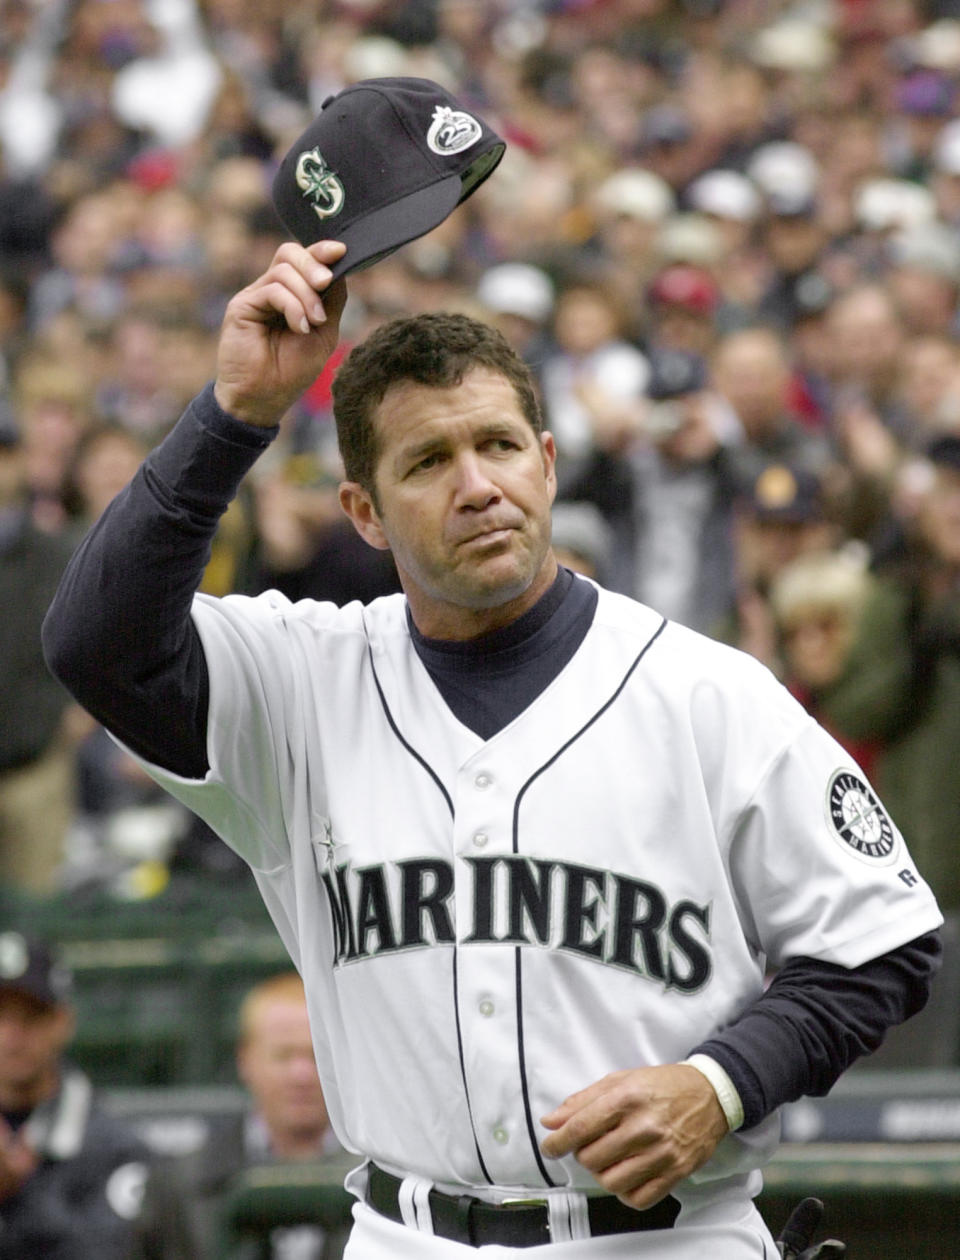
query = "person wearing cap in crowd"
{"x": 628, "y": 210}
{"x": 783, "y": 513}
{"x": 732, "y": 200}
{"x": 901, "y": 683}
{"x": 923, "y": 276}
{"x": 284, "y": 1127}
{"x": 683, "y": 300}
{"x": 680, "y": 529}
{"x": 792, "y": 238}
{"x": 924, "y": 100}
{"x": 658, "y": 481}
{"x": 37, "y": 793}
{"x": 732, "y": 205}
{"x": 71, "y": 1175}
{"x": 518, "y": 298}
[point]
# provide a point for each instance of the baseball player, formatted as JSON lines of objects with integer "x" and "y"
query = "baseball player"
{"x": 532, "y": 847}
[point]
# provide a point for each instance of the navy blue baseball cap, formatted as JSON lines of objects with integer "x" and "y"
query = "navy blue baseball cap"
{"x": 385, "y": 161}
{"x": 674, "y": 373}
{"x": 27, "y": 966}
{"x": 780, "y": 493}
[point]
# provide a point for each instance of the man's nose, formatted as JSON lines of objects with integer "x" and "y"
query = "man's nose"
{"x": 475, "y": 488}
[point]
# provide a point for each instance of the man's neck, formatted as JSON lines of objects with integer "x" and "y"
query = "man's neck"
{"x": 456, "y": 624}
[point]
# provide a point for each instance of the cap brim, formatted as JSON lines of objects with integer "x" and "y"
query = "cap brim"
{"x": 382, "y": 231}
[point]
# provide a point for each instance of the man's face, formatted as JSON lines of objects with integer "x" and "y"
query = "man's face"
{"x": 33, "y": 1036}
{"x": 464, "y": 489}
{"x": 765, "y": 547}
{"x": 277, "y": 1065}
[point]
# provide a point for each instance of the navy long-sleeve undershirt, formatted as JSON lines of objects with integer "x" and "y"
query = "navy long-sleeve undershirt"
{"x": 120, "y": 636}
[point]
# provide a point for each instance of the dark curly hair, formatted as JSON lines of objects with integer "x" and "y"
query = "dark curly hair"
{"x": 435, "y": 349}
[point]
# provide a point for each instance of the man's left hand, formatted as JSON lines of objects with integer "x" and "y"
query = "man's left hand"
{"x": 639, "y": 1131}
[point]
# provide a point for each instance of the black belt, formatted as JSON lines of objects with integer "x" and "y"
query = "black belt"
{"x": 522, "y": 1223}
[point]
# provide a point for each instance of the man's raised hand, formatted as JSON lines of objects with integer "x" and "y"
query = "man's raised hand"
{"x": 278, "y": 332}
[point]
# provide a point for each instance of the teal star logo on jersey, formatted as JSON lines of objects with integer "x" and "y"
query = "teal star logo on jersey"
{"x": 858, "y": 818}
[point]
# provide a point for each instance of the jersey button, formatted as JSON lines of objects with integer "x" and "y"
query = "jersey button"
{"x": 480, "y": 839}
{"x": 501, "y": 1135}
{"x": 483, "y": 780}
{"x": 486, "y": 1007}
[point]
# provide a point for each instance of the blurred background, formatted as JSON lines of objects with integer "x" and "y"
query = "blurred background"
{"x": 726, "y": 238}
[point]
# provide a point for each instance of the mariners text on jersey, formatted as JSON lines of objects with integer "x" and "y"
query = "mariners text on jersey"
{"x": 612, "y": 918}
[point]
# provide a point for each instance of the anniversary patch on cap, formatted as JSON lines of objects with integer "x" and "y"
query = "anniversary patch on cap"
{"x": 384, "y": 162}
{"x": 858, "y": 819}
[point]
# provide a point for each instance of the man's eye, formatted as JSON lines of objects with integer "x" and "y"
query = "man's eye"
{"x": 428, "y": 461}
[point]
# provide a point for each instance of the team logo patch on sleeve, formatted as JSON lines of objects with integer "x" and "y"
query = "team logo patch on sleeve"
{"x": 858, "y": 819}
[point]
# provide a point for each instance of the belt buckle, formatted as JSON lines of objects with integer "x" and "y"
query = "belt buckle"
{"x": 523, "y": 1203}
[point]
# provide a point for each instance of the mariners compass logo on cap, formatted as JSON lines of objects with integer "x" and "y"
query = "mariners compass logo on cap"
{"x": 320, "y": 186}
{"x": 385, "y": 161}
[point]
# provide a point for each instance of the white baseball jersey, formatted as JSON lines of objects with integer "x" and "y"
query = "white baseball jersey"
{"x": 484, "y": 927}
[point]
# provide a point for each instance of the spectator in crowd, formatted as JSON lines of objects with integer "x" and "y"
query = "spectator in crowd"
{"x": 52, "y": 400}
{"x": 924, "y": 278}
{"x": 926, "y": 391}
{"x": 286, "y": 1123}
{"x": 793, "y": 239}
{"x": 594, "y": 378}
{"x": 681, "y": 561}
{"x": 867, "y": 335}
{"x": 782, "y": 515}
{"x": 628, "y": 210}
{"x": 682, "y": 303}
{"x": 752, "y": 372}
{"x": 36, "y": 767}
{"x": 518, "y": 299}
{"x": 817, "y": 601}
{"x": 71, "y": 1176}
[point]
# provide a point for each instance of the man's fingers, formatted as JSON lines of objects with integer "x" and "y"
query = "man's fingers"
{"x": 292, "y": 286}
{"x": 582, "y": 1098}
{"x": 616, "y": 1145}
{"x": 583, "y": 1118}
{"x": 284, "y": 291}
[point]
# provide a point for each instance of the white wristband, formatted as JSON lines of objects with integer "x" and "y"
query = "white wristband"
{"x": 723, "y": 1087}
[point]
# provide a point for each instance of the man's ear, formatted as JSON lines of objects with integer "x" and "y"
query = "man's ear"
{"x": 548, "y": 452}
{"x": 358, "y": 505}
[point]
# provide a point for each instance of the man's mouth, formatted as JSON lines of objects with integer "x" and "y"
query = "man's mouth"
{"x": 492, "y": 532}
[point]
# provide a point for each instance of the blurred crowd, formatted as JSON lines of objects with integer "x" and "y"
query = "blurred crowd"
{"x": 725, "y": 236}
